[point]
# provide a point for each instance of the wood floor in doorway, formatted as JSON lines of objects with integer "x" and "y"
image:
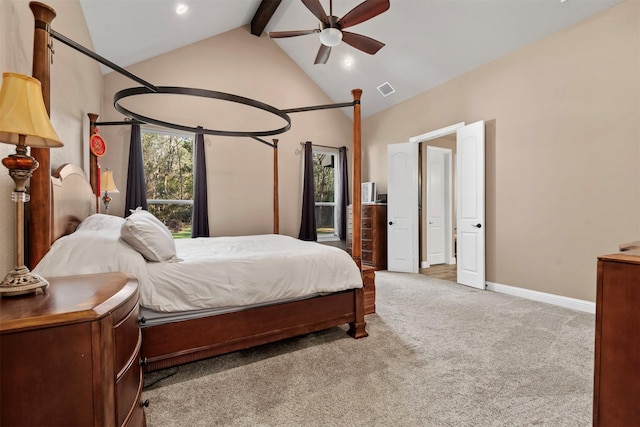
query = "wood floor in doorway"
{"x": 441, "y": 271}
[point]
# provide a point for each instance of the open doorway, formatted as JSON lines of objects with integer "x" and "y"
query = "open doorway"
{"x": 437, "y": 216}
{"x": 403, "y": 208}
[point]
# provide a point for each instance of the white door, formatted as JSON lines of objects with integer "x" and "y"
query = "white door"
{"x": 470, "y": 205}
{"x": 436, "y": 205}
{"x": 402, "y": 207}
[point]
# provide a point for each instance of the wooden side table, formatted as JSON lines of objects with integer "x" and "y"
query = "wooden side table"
{"x": 616, "y": 393}
{"x": 71, "y": 355}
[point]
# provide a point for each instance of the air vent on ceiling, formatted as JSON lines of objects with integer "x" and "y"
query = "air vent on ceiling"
{"x": 386, "y": 89}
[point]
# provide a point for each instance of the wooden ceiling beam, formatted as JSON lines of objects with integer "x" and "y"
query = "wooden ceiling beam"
{"x": 264, "y": 13}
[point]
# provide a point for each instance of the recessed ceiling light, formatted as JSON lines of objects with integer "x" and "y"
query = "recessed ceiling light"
{"x": 182, "y": 9}
{"x": 347, "y": 62}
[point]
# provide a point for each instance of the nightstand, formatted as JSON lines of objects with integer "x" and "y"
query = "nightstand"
{"x": 71, "y": 356}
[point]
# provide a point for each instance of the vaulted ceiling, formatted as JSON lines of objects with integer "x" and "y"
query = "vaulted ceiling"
{"x": 427, "y": 42}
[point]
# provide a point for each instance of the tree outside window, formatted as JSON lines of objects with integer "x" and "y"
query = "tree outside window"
{"x": 325, "y": 184}
{"x": 168, "y": 168}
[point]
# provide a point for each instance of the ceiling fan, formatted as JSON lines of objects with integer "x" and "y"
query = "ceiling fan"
{"x": 331, "y": 27}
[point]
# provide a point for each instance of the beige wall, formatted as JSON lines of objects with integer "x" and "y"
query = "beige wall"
{"x": 76, "y": 88}
{"x": 240, "y": 170}
{"x": 563, "y": 155}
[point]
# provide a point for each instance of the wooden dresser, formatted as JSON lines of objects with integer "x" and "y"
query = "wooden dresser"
{"x": 374, "y": 234}
{"x": 71, "y": 356}
{"x": 616, "y": 394}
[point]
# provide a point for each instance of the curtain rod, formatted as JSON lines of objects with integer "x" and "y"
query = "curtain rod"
{"x": 323, "y": 146}
{"x": 122, "y": 123}
{"x": 322, "y": 107}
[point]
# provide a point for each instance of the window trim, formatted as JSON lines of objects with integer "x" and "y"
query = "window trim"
{"x": 336, "y": 185}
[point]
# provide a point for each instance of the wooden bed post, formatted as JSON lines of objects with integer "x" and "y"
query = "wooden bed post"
{"x": 356, "y": 240}
{"x": 40, "y": 183}
{"x": 357, "y": 329}
{"x": 94, "y": 171}
{"x": 276, "y": 204}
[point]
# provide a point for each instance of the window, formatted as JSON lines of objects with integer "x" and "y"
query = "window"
{"x": 168, "y": 169}
{"x": 325, "y": 180}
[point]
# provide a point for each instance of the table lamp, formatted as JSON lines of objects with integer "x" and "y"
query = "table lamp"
{"x": 108, "y": 186}
{"x": 24, "y": 122}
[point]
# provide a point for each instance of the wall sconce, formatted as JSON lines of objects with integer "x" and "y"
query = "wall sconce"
{"x": 24, "y": 122}
{"x": 108, "y": 186}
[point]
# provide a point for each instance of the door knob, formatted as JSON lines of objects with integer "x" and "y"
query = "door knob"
{"x": 390, "y": 222}
{"x": 477, "y": 226}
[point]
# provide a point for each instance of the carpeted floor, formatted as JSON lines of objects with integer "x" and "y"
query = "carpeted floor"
{"x": 438, "y": 354}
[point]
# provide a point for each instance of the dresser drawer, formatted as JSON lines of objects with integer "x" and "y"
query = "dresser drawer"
{"x": 367, "y": 234}
{"x": 137, "y": 418}
{"x": 367, "y": 211}
{"x": 366, "y": 223}
{"x": 127, "y": 340}
{"x": 128, "y": 390}
{"x": 367, "y": 256}
{"x": 367, "y": 245}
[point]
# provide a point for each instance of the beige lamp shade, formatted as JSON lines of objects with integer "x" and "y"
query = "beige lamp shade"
{"x": 22, "y": 112}
{"x": 107, "y": 184}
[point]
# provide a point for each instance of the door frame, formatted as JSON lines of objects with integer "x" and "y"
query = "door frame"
{"x": 435, "y": 134}
{"x": 479, "y": 252}
{"x": 449, "y": 257}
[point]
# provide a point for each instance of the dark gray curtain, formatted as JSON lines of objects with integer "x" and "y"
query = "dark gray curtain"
{"x": 136, "y": 184}
{"x": 308, "y": 225}
{"x": 200, "y": 218}
{"x": 343, "y": 193}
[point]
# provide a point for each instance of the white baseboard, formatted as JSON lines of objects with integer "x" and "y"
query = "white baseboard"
{"x": 567, "y": 302}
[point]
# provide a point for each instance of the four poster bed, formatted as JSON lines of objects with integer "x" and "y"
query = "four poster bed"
{"x": 182, "y": 339}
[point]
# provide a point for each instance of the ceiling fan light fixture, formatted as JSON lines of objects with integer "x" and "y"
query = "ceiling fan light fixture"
{"x": 330, "y": 37}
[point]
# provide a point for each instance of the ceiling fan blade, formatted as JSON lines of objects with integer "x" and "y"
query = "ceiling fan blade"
{"x": 295, "y": 33}
{"x": 363, "y": 43}
{"x": 323, "y": 54}
{"x": 363, "y": 12}
{"x": 316, "y": 8}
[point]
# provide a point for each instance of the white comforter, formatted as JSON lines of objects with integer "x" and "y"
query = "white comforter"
{"x": 213, "y": 272}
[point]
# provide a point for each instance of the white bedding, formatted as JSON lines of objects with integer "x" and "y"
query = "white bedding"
{"x": 235, "y": 271}
{"x": 218, "y": 272}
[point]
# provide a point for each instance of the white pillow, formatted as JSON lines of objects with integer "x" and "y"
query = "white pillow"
{"x": 146, "y": 234}
{"x": 101, "y": 222}
{"x": 88, "y": 252}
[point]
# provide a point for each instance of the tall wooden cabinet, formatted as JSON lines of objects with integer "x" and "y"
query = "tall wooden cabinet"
{"x": 72, "y": 355}
{"x": 616, "y": 394}
{"x": 374, "y": 234}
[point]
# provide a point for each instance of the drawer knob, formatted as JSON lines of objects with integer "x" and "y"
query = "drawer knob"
{"x": 145, "y": 404}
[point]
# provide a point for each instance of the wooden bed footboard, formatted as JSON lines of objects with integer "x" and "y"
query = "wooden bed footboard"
{"x": 176, "y": 343}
